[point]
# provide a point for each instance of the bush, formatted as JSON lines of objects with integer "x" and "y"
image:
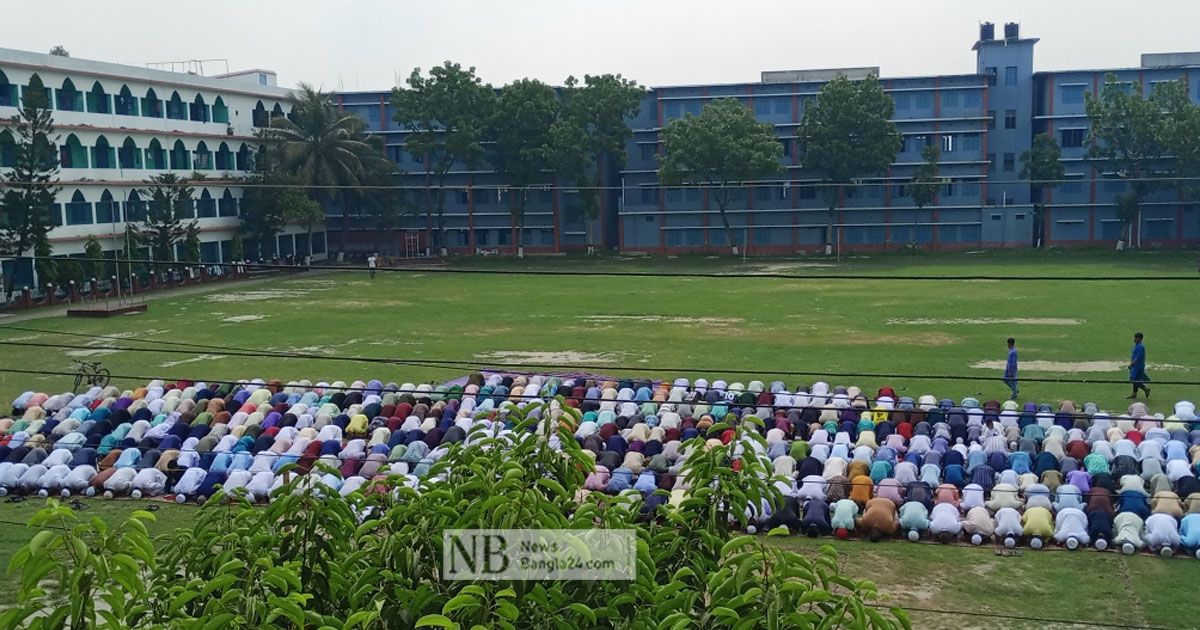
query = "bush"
{"x": 372, "y": 559}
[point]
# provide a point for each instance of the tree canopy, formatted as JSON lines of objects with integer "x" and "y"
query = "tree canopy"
{"x": 846, "y": 134}
{"x": 521, "y": 153}
{"x": 723, "y": 148}
{"x": 31, "y": 185}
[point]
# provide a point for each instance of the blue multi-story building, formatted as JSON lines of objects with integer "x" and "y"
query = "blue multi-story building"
{"x": 983, "y": 122}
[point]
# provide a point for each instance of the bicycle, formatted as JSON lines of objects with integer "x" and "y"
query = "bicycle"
{"x": 90, "y": 373}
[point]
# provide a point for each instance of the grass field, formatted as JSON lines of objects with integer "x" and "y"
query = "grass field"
{"x": 769, "y": 325}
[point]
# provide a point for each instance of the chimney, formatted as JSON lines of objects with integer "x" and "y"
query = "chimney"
{"x": 1012, "y": 30}
{"x": 987, "y": 32}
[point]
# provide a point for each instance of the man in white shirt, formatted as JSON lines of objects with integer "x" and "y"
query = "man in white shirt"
{"x": 372, "y": 260}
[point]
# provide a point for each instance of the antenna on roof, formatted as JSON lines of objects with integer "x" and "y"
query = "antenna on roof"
{"x": 188, "y": 66}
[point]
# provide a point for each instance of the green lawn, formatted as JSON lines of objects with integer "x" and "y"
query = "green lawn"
{"x": 1084, "y": 586}
{"x": 706, "y": 325}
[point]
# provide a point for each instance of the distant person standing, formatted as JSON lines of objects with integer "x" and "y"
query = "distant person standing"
{"x": 372, "y": 261}
{"x": 1010, "y": 368}
{"x": 1137, "y": 367}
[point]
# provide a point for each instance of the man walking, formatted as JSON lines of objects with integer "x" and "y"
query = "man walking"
{"x": 371, "y": 261}
{"x": 1137, "y": 367}
{"x": 1010, "y": 368}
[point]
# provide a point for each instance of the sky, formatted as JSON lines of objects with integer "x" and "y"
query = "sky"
{"x": 367, "y": 44}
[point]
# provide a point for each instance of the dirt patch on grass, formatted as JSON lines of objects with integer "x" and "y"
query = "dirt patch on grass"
{"x": 664, "y": 319}
{"x": 1074, "y": 366}
{"x": 238, "y": 319}
{"x": 195, "y": 359}
{"x": 90, "y": 352}
{"x": 371, "y": 304}
{"x": 790, "y": 267}
{"x": 258, "y": 295}
{"x": 1020, "y": 321}
{"x": 548, "y": 358}
{"x": 851, "y": 338}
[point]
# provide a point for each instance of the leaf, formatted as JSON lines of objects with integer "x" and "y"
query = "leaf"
{"x": 439, "y": 621}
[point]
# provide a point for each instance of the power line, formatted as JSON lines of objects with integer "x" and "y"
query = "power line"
{"x": 629, "y": 274}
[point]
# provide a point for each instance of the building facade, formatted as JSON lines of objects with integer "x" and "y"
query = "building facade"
{"x": 119, "y": 125}
{"x": 983, "y": 121}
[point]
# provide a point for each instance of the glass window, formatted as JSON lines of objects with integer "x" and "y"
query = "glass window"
{"x": 672, "y": 109}
{"x": 1010, "y": 119}
{"x": 950, "y": 98}
{"x": 762, "y": 106}
{"x": 903, "y": 100}
{"x": 1010, "y": 75}
{"x": 990, "y": 72}
{"x": 1072, "y": 94}
{"x": 1010, "y": 162}
{"x": 782, "y": 105}
{"x": 970, "y": 142}
{"x": 972, "y": 99}
{"x": 923, "y": 100}
{"x": 1072, "y": 138}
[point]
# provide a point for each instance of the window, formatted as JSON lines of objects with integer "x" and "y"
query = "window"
{"x": 781, "y": 105}
{"x": 762, "y": 106}
{"x": 899, "y": 190}
{"x": 693, "y": 107}
{"x": 228, "y": 205}
{"x": 1114, "y": 186}
{"x": 948, "y": 188}
{"x": 672, "y": 109}
{"x": 923, "y": 100}
{"x": 1010, "y": 75}
{"x": 107, "y": 210}
{"x": 991, "y": 158}
{"x": 1010, "y": 162}
{"x": 806, "y": 192}
{"x": 206, "y": 206}
{"x": 1072, "y": 138}
{"x": 1072, "y": 94}
{"x": 990, "y": 72}
{"x": 79, "y": 211}
{"x": 968, "y": 188}
{"x": 1010, "y": 119}
{"x": 950, "y": 99}
{"x": 647, "y": 152}
{"x": 970, "y": 142}
{"x": 763, "y": 193}
{"x": 972, "y": 99}
{"x": 787, "y": 146}
{"x": 1073, "y": 186}
{"x": 991, "y": 116}
{"x": 903, "y": 100}
{"x": 947, "y": 143}
{"x": 649, "y": 195}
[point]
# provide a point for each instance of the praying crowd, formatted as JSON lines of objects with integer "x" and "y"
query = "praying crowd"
{"x": 846, "y": 464}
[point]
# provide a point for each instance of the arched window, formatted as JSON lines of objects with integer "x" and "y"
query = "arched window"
{"x": 68, "y": 97}
{"x": 206, "y": 206}
{"x": 8, "y": 149}
{"x": 46, "y": 91}
{"x": 97, "y": 100}
{"x": 176, "y": 110}
{"x": 124, "y": 104}
{"x": 259, "y": 116}
{"x": 151, "y": 105}
{"x": 245, "y": 159}
{"x": 203, "y": 161}
{"x": 102, "y": 154}
{"x": 220, "y": 113}
{"x": 277, "y": 111}
{"x": 228, "y": 205}
{"x": 72, "y": 154}
{"x": 135, "y": 208}
{"x": 8, "y": 92}
{"x": 156, "y": 157}
{"x": 291, "y": 115}
{"x": 79, "y": 211}
{"x": 107, "y": 210}
{"x": 180, "y": 159}
{"x": 198, "y": 110}
{"x": 224, "y": 158}
{"x": 129, "y": 156}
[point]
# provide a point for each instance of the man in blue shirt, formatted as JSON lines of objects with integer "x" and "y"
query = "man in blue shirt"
{"x": 1137, "y": 367}
{"x": 1010, "y": 368}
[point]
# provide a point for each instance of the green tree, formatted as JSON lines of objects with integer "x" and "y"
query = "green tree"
{"x": 381, "y": 202}
{"x": 847, "y": 134}
{"x": 723, "y": 148}
{"x": 590, "y": 133}
{"x": 520, "y": 129}
{"x": 30, "y": 186}
{"x": 323, "y": 148}
{"x": 923, "y": 187}
{"x": 1127, "y": 140}
{"x": 1181, "y": 137}
{"x": 296, "y": 207}
{"x": 93, "y": 251}
{"x": 60, "y": 51}
{"x": 1042, "y": 166}
{"x": 447, "y": 114}
{"x": 170, "y": 203}
{"x": 191, "y": 242}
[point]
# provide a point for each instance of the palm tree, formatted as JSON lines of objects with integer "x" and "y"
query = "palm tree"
{"x": 327, "y": 150}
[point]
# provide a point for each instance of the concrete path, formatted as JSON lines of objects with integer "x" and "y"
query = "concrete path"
{"x": 12, "y": 317}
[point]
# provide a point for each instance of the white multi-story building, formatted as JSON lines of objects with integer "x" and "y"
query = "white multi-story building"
{"x": 120, "y": 125}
